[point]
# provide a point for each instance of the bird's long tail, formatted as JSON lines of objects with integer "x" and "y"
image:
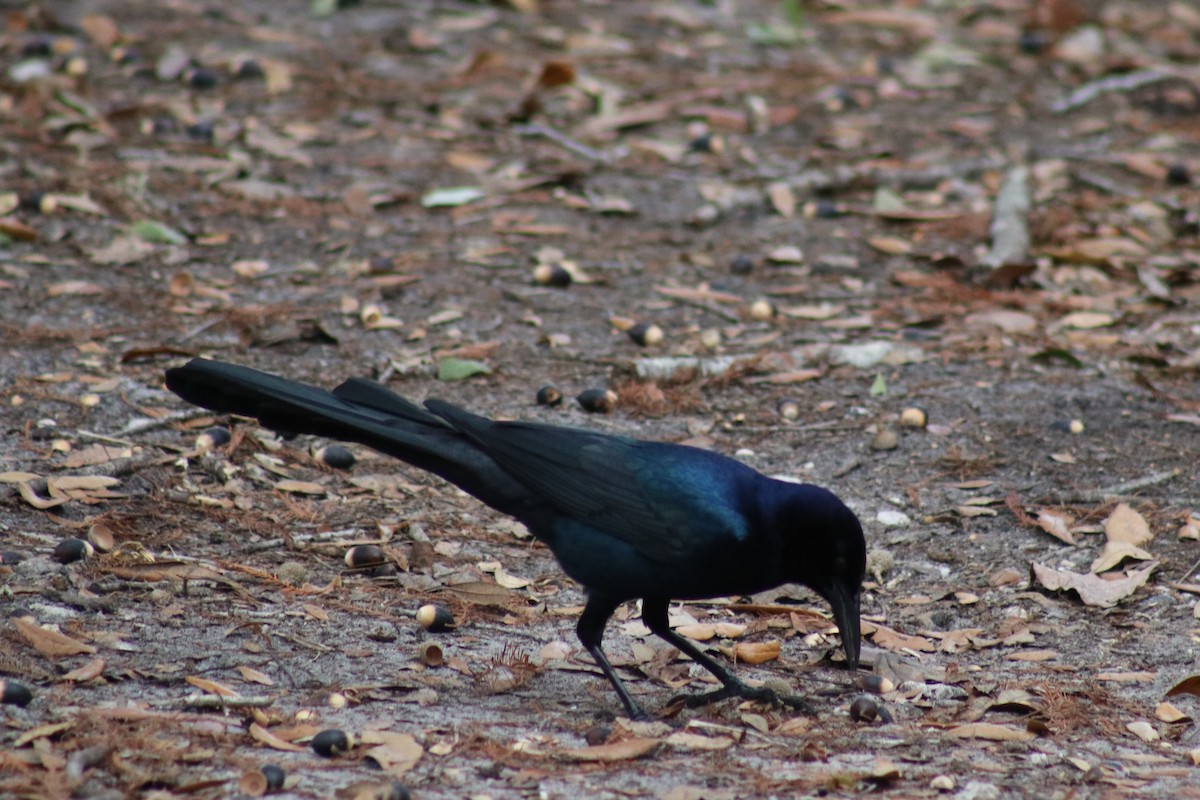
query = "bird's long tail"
{"x": 357, "y": 411}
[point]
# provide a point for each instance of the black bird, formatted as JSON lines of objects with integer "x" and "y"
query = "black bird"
{"x": 627, "y": 519}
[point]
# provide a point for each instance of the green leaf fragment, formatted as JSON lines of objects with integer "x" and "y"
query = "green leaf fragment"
{"x": 457, "y": 369}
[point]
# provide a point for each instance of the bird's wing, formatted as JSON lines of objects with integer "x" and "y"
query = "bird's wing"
{"x": 668, "y": 501}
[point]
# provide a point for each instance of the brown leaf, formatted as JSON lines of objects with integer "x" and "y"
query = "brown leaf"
{"x": 695, "y": 741}
{"x": 1093, "y": 590}
{"x": 264, "y": 736}
{"x": 991, "y": 732}
{"x": 1116, "y": 552}
{"x": 625, "y": 750}
{"x": 1126, "y": 525}
{"x": 1057, "y": 524}
{"x": 300, "y": 487}
{"x": 212, "y": 687}
{"x": 89, "y": 671}
{"x": 1189, "y": 685}
{"x": 481, "y": 593}
{"x": 395, "y": 753}
{"x": 50, "y": 643}
{"x": 254, "y": 676}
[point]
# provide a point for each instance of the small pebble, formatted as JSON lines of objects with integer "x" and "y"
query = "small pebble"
{"x": 597, "y": 734}
{"x": 942, "y": 783}
{"x": 248, "y": 69}
{"x": 1033, "y": 42}
{"x": 789, "y": 409}
{"x": 293, "y": 573}
{"x": 200, "y": 132}
{"x": 331, "y": 742}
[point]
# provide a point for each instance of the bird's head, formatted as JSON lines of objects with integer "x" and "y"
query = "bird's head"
{"x": 829, "y": 555}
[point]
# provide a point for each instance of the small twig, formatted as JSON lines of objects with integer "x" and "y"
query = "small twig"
{"x": 100, "y": 437}
{"x": 216, "y": 701}
{"x": 142, "y": 425}
{"x": 564, "y": 141}
{"x": 1113, "y": 83}
{"x": 1120, "y": 491}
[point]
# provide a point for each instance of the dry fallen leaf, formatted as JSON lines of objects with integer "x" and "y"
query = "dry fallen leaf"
{"x": 1115, "y": 552}
{"x": 1057, "y": 524}
{"x": 266, "y": 737}
{"x": 395, "y": 753}
{"x": 615, "y": 751}
{"x": 50, "y": 643}
{"x": 991, "y": 732}
{"x": 1126, "y": 525}
{"x": 1093, "y": 590}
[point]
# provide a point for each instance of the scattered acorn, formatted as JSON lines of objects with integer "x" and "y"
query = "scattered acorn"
{"x": 864, "y": 709}
{"x": 597, "y": 401}
{"x": 1068, "y": 426}
{"x": 201, "y": 78}
{"x": 435, "y": 618}
{"x": 741, "y": 265}
{"x": 101, "y": 537}
{"x": 336, "y": 456}
{"x": 552, "y": 275}
{"x": 248, "y": 69}
{"x": 876, "y": 684}
{"x": 597, "y": 734}
{"x": 549, "y": 396}
{"x": 365, "y": 556}
{"x": 331, "y": 742}
{"x": 71, "y": 550}
{"x": 12, "y": 556}
{"x": 430, "y": 654}
{"x": 914, "y": 417}
{"x": 646, "y": 334}
{"x": 214, "y": 437}
{"x": 885, "y": 439}
{"x": 275, "y": 776}
{"x": 789, "y": 409}
{"x": 762, "y": 310}
{"x": 1178, "y": 175}
{"x": 200, "y": 132}
{"x": 15, "y": 694}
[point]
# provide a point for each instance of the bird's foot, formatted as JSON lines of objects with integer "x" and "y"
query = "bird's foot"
{"x": 760, "y": 694}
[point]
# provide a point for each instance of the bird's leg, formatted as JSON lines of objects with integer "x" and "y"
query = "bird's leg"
{"x": 654, "y": 614}
{"x": 590, "y": 630}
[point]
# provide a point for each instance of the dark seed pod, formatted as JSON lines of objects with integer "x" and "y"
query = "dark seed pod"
{"x": 1178, "y": 175}
{"x": 597, "y": 734}
{"x": 249, "y": 69}
{"x": 1033, "y": 42}
{"x": 202, "y": 78}
{"x": 864, "y": 709}
{"x": 336, "y": 456}
{"x": 549, "y": 396}
{"x": 71, "y": 550}
{"x": 824, "y": 209}
{"x": 332, "y": 742}
{"x": 36, "y": 46}
{"x": 789, "y": 409}
{"x": 275, "y": 776}
{"x": 15, "y": 694}
{"x": 741, "y": 265}
{"x": 364, "y": 556}
{"x": 435, "y": 618}
{"x": 646, "y": 334}
{"x": 200, "y": 132}
{"x": 597, "y": 401}
{"x": 211, "y": 439}
{"x": 12, "y": 556}
{"x": 552, "y": 275}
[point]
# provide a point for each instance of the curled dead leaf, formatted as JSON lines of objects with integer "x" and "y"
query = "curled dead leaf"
{"x": 991, "y": 731}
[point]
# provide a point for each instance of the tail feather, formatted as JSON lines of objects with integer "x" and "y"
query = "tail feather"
{"x": 356, "y": 411}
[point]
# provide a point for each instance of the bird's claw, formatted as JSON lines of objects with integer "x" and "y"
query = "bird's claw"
{"x": 760, "y": 694}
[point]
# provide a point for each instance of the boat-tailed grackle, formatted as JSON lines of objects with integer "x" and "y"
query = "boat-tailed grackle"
{"x": 627, "y": 519}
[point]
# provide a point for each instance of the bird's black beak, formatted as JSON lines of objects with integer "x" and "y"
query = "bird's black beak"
{"x": 845, "y": 613}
